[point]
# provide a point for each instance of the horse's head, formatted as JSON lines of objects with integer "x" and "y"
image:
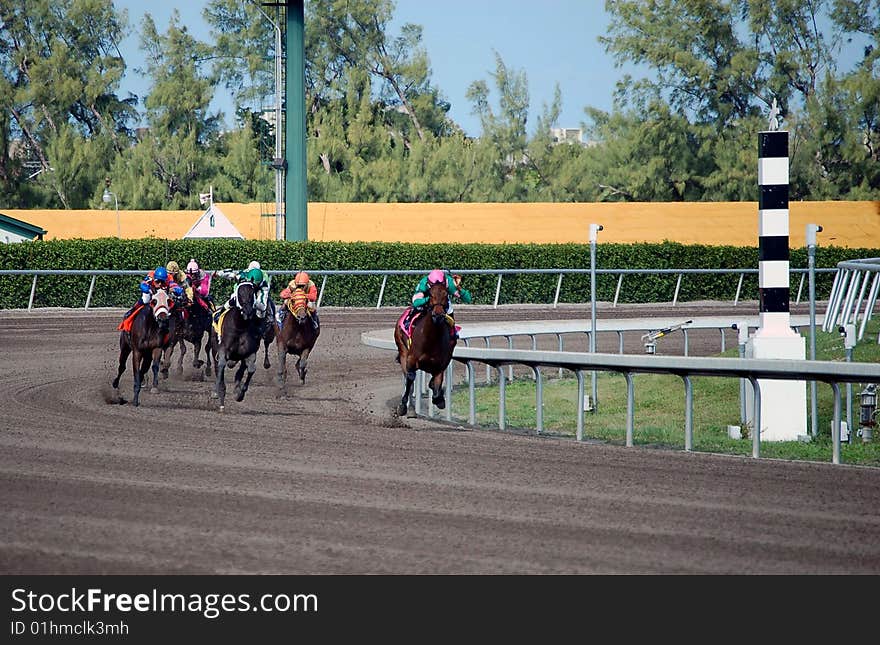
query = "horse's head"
{"x": 245, "y": 296}
{"x": 159, "y": 303}
{"x": 299, "y": 305}
{"x": 438, "y": 297}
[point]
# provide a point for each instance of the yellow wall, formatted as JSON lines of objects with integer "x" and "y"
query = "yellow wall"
{"x": 847, "y": 224}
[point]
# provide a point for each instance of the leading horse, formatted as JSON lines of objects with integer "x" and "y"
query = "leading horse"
{"x": 238, "y": 340}
{"x": 295, "y": 336}
{"x": 148, "y": 336}
{"x": 429, "y": 348}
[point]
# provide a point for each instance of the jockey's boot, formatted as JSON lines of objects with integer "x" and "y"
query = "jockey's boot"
{"x": 410, "y": 314}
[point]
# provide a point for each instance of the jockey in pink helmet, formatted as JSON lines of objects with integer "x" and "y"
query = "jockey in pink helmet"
{"x": 453, "y": 286}
{"x": 199, "y": 281}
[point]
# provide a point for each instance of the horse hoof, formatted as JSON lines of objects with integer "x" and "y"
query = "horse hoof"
{"x": 222, "y": 407}
{"x": 154, "y": 390}
{"x": 214, "y": 395}
{"x": 401, "y": 410}
{"x": 440, "y": 403}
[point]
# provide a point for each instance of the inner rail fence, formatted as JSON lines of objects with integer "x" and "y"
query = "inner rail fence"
{"x": 580, "y": 363}
{"x": 380, "y": 281}
{"x": 849, "y": 291}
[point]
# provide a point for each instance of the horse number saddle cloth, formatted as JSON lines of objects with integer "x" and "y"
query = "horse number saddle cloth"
{"x": 217, "y": 320}
{"x": 125, "y": 325}
{"x": 407, "y": 328}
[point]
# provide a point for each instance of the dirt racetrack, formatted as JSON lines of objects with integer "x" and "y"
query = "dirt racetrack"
{"x": 327, "y": 481}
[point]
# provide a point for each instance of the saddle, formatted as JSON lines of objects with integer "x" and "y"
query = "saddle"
{"x": 407, "y": 327}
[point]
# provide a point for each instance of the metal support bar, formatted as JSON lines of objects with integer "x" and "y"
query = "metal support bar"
{"x": 558, "y": 286}
{"x": 721, "y": 329}
{"x": 33, "y": 291}
{"x": 869, "y": 305}
{"x": 620, "y": 342}
{"x": 91, "y": 290}
{"x": 630, "y": 408}
{"x": 561, "y": 349}
{"x": 854, "y": 317}
{"x": 835, "y": 428}
{"x": 617, "y": 291}
{"x": 836, "y": 300}
{"x": 832, "y": 297}
{"x": 686, "y": 345}
{"x": 510, "y": 367}
{"x": 677, "y": 287}
{"x": 739, "y": 287}
{"x": 448, "y": 384}
{"x": 488, "y": 367}
{"x": 502, "y": 398}
{"x": 580, "y": 405}
{"x": 472, "y": 402}
{"x": 497, "y": 292}
{"x": 688, "y": 413}
{"x": 800, "y": 289}
{"x": 321, "y": 294}
{"x": 539, "y": 400}
{"x": 381, "y": 291}
{"x": 756, "y": 431}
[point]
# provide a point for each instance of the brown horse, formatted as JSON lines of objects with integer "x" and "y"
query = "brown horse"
{"x": 295, "y": 336}
{"x": 148, "y": 336}
{"x": 429, "y": 348}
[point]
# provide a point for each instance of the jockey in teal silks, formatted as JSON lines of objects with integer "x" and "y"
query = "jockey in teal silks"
{"x": 420, "y": 296}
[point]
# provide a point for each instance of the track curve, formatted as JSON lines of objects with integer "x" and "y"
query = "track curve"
{"x": 328, "y": 481}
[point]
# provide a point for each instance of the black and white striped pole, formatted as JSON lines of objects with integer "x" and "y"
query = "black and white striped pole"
{"x": 783, "y": 403}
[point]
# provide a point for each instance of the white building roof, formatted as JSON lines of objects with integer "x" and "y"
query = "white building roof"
{"x": 213, "y": 223}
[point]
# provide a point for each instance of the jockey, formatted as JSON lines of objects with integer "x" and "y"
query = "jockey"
{"x": 303, "y": 282}
{"x": 174, "y": 273}
{"x": 198, "y": 282}
{"x": 420, "y": 296}
{"x": 156, "y": 279}
{"x": 255, "y": 275}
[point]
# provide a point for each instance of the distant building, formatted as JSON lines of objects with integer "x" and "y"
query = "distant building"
{"x": 570, "y": 136}
{"x": 14, "y": 230}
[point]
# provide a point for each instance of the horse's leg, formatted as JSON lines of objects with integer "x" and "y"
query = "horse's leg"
{"x": 165, "y": 358}
{"x": 303, "y": 364}
{"x": 136, "y": 360}
{"x": 266, "y": 363}
{"x": 408, "y": 379}
{"x": 220, "y": 383}
{"x": 124, "y": 351}
{"x": 180, "y": 358}
{"x": 251, "y": 364}
{"x": 438, "y": 398}
{"x": 197, "y": 348}
{"x": 281, "y": 376}
{"x": 157, "y": 358}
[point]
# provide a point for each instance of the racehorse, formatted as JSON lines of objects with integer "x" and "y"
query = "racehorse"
{"x": 190, "y": 321}
{"x": 239, "y": 340}
{"x": 149, "y": 334}
{"x": 296, "y": 336}
{"x": 429, "y": 348}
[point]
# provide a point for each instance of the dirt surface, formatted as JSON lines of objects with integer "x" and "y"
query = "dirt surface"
{"x": 328, "y": 481}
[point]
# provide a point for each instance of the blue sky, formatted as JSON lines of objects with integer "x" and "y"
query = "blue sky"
{"x": 551, "y": 41}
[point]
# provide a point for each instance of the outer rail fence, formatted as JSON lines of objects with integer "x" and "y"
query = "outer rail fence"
{"x": 830, "y": 372}
{"x": 848, "y": 292}
{"x": 678, "y": 274}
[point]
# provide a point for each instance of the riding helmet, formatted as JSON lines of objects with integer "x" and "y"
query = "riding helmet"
{"x": 301, "y": 279}
{"x": 161, "y": 273}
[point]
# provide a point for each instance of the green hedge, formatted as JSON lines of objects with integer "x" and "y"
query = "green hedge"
{"x": 353, "y": 291}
